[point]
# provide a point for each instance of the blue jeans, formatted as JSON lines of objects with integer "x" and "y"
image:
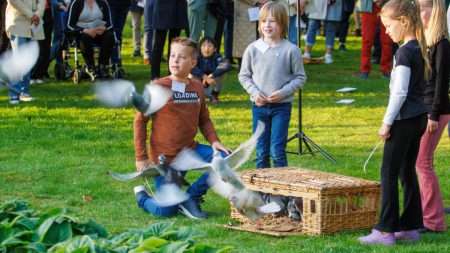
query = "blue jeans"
{"x": 330, "y": 32}
{"x": 23, "y": 85}
{"x": 119, "y": 17}
{"x": 293, "y": 32}
{"x": 59, "y": 27}
{"x": 272, "y": 142}
{"x": 195, "y": 191}
{"x": 148, "y": 27}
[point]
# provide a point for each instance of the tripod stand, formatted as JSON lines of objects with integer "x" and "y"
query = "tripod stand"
{"x": 302, "y": 138}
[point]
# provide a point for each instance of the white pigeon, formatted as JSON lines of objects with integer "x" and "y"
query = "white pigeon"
{"x": 14, "y": 64}
{"x": 223, "y": 179}
{"x": 120, "y": 93}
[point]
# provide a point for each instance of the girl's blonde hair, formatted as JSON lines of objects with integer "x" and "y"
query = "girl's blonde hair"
{"x": 410, "y": 11}
{"x": 279, "y": 12}
{"x": 437, "y": 26}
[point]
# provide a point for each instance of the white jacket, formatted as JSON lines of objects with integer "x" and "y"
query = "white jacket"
{"x": 18, "y": 18}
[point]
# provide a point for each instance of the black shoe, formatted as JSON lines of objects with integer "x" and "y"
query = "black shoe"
{"x": 191, "y": 208}
{"x": 137, "y": 53}
{"x": 342, "y": 48}
{"x": 103, "y": 72}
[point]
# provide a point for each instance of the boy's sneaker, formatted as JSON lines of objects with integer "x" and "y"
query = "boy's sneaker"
{"x": 191, "y": 209}
{"x": 377, "y": 237}
{"x": 25, "y": 97}
{"x": 14, "y": 101}
{"x": 138, "y": 189}
{"x": 328, "y": 59}
{"x": 410, "y": 235}
{"x": 137, "y": 53}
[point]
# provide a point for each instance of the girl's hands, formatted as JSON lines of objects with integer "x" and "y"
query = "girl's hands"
{"x": 384, "y": 132}
{"x": 275, "y": 97}
{"x": 432, "y": 126}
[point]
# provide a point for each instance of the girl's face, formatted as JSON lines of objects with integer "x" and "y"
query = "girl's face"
{"x": 270, "y": 28}
{"x": 426, "y": 6}
{"x": 207, "y": 49}
{"x": 395, "y": 28}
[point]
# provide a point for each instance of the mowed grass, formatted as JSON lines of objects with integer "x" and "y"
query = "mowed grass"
{"x": 58, "y": 149}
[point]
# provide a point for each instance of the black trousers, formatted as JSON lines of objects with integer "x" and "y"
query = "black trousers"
{"x": 104, "y": 41}
{"x": 158, "y": 48}
{"x": 40, "y": 70}
{"x": 399, "y": 161}
{"x": 343, "y": 27}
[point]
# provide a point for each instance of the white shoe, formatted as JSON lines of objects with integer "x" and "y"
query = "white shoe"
{"x": 328, "y": 59}
{"x": 306, "y": 56}
{"x": 139, "y": 188}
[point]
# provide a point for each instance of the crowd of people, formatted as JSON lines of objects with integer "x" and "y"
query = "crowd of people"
{"x": 408, "y": 38}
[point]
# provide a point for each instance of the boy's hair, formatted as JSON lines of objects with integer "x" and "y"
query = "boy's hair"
{"x": 410, "y": 11}
{"x": 279, "y": 12}
{"x": 437, "y": 26}
{"x": 187, "y": 43}
{"x": 207, "y": 39}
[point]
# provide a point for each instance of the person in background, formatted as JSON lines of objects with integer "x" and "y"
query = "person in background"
{"x": 403, "y": 125}
{"x": 437, "y": 101}
{"x": 271, "y": 72}
{"x": 148, "y": 30}
{"x": 329, "y": 11}
{"x": 60, "y": 10}
{"x": 347, "y": 10}
{"x": 292, "y": 12}
{"x": 23, "y": 23}
{"x": 370, "y": 20}
{"x": 90, "y": 21}
{"x": 40, "y": 70}
{"x": 201, "y": 19}
{"x": 169, "y": 16}
{"x": 137, "y": 11}
{"x": 4, "y": 41}
{"x": 210, "y": 69}
{"x": 119, "y": 11}
{"x": 357, "y": 20}
{"x": 225, "y": 26}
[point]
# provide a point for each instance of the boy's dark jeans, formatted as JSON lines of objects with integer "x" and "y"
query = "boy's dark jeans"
{"x": 272, "y": 142}
{"x": 399, "y": 160}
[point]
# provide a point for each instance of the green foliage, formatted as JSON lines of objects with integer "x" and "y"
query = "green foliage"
{"x": 25, "y": 230}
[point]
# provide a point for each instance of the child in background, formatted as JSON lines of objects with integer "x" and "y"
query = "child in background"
{"x": 210, "y": 69}
{"x": 437, "y": 102}
{"x": 403, "y": 125}
{"x": 271, "y": 72}
{"x": 174, "y": 127}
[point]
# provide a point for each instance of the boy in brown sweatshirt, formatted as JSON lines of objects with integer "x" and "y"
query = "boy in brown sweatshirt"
{"x": 174, "y": 127}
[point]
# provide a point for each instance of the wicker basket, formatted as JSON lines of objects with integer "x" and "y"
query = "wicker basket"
{"x": 331, "y": 202}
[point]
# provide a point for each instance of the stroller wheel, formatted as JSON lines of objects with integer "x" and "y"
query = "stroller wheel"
{"x": 76, "y": 76}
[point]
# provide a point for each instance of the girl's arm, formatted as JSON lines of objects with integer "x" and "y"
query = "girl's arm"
{"x": 246, "y": 74}
{"x": 398, "y": 91}
{"x": 298, "y": 74}
{"x": 442, "y": 79}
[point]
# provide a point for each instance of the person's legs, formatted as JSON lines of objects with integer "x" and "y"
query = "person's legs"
{"x": 23, "y": 85}
{"x": 311, "y": 33}
{"x": 411, "y": 218}
{"x": 210, "y": 25}
{"x": 157, "y": 51}
{"x": 263, "y": 143}
{"x": 292, "y": 33}
{"x": 368, "y": 24}
{"x": 197, "y": 17}
{"x": 87, "y": 50}
{"x": 330, "y": 35}
{"x": 281, "y": 115}
{"x": 106, "y": 42}
{"x": 58, "y": 34}
{"x": 40, "y": 70}
{"x": 431, "y": 198}
{"x": 343, "y": 29}
{"x": 148, "y": 28}
{"x": 119, "y": 17}
{"x": 201, "y": 186}
{"x": 228, "y": 32}
{"x": 386, "y": 51}
{"x": 149, "y": 205}
{"x": 136, "y": 26}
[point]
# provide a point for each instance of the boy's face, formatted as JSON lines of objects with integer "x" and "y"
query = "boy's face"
{"x": 181, "y": 61}
{"x": 207, "y": 49}
{"x": 270, "y": 28}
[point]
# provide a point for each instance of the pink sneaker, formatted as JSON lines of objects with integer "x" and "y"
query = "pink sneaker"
{"x": 377, "y": 237}
{"x": 410, "y": 235}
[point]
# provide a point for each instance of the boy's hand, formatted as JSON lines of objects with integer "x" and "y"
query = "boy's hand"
{"x": 220, "y": 147}
{"x": 384, "y": 132}
{"x": 275, "y": 97}
{"x": 260, "y": 100}
{"x": 141, "y": 165}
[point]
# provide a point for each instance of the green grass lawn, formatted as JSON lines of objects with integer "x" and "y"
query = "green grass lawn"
{"x": 57, "y": 149}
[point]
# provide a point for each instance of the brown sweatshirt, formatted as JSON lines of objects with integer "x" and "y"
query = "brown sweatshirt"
{"x": 175, "y": 125}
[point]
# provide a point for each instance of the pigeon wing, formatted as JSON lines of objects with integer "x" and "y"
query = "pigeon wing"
{"x": 188, "y": 159}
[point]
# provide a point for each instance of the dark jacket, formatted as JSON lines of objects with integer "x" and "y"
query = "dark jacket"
{"x": 134, "y": 7}
{"x": 170, "y": 14}
{"x": 436, "y": 89}
{"x": 120, "y": 3}
{"x": 211, "y": 65}
{"x": 75, "y": 10}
